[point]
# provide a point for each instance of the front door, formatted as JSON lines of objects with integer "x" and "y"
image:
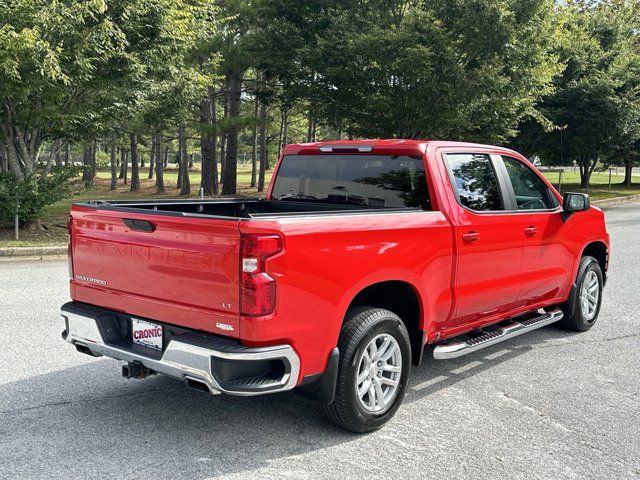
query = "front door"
{"x": 547, "y": 258}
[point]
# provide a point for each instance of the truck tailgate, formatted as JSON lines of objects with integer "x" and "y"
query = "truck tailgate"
{"x": 182, "y": 270}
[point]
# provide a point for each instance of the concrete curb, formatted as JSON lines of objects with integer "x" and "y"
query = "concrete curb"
{"x": 32, "y": 251}
{"x": 609, "y": 202}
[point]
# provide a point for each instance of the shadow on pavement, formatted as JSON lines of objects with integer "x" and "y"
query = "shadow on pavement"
{"x": 159, "y": 428}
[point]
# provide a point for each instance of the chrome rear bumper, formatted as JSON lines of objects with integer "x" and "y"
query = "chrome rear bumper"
{"x": 216, "y": 362}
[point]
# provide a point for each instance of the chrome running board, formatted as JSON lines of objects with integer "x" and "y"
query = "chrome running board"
{"x": 505, "y": 332}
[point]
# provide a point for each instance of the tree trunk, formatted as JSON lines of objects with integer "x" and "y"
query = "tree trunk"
{"x": 4, "y": 161}
{"x": 224, "y": 134}
{"x": 584, "y": 180}
{"x": 208, "y": 181}
{"x": 254, "y": 144}
{"x": 214, "y": 141}
{"x": 229, "y": 177}
{"x": 94, "y": 160}
{"x": 54, "y": 155}
{"x": 124, "y": 165}
{"x": 13, "y": 161}
{"x": 87, "y": 176}
{"x": 135, "y": 172}
{"x": 113, "y": 159}
{"x": 262, "y": 144}
{"x": 587, "y": 166}
{"x": 159, "y": 162}
{"x": 582, "y": 164}
{"x": 285, "y": 130}
{"x": 67, "y": 154}
{"x": 58, "y": 159}
{"x": 152, "y": 155}
{"x": 311, "y": 129}
{"x": 628, "y": 173}
{"x": 183, "y": 165}
{"x": 22, "y": 147}
{"x": 178, "y": 163}
{"x": 281, "y": 131}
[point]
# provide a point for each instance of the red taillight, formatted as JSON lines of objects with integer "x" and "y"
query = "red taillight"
{"x": 69, "y": 249}
{"x": 257, "y": 288}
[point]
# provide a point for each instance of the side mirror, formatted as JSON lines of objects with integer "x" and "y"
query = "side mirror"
{"x": 575, "y": 202}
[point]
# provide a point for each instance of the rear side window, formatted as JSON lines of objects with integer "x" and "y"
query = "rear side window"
{"x": 530, "y": 191}
{"x": 475, "y": 181}
{"x": 383, "y": 181}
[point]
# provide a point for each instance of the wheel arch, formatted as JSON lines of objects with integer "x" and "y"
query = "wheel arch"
{"x": 600, "y": 252}
{"x": 402, "y": 298}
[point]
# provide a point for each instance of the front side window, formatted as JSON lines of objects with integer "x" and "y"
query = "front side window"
{"x": 382, "y": 181}
{"x": 530, "y": 191}
{"x": 475, "y": 181}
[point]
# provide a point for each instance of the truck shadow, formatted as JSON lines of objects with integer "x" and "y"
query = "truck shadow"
{"x": 64, "y": 420}
{"x": 432, "y": 376}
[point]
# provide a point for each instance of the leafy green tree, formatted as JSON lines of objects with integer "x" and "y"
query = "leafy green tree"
{"x": 165, "y": 81}
{"x": 457, "y": 70}
{"x": 624, "y": 154}
{"x": 233, "y": 44}
{"x": 625, "y": 150}
{"x": 596, "y": 103}
{"x": 50, "y": 57}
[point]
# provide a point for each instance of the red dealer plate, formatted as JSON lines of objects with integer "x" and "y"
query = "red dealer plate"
{"x": 146, "y": 333}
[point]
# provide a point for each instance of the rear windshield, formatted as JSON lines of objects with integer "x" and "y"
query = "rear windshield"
{"x": 382, "y": 181}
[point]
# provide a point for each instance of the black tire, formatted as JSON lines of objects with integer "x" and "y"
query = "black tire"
{"x": 362, "y": 325}
{"x": 575, "y": 318}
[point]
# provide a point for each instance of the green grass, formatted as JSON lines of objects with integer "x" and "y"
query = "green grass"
{"x": 599, "y": 186}
{"x": 52, "y": 229}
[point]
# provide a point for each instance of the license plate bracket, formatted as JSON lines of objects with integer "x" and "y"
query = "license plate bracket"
{"x": 147, "y": 334}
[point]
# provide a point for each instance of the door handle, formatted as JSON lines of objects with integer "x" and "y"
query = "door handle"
{"x": 471, "y": 236}
{"x": 530, "y": 231}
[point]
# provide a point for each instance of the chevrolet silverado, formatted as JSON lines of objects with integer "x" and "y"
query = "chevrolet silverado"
{"x": 360, "y": 255}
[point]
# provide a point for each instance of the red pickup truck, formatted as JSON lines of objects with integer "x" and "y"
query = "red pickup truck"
{"x": 361, "y": 254}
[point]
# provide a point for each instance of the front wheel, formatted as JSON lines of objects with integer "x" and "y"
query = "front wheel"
{"x": 373, "y": 371}
{"x": 585, "y": 309}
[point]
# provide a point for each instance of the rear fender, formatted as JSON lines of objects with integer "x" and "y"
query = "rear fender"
{"x": 387, "y": 275}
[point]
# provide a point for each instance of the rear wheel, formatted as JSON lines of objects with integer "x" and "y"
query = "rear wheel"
{"x": 586, "y": 304}
{"x": 374, "y": 367}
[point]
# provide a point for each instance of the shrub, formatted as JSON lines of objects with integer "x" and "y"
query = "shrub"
{"x": 32, "y": 195}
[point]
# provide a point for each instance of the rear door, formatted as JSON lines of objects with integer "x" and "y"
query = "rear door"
{"x": 548, "y": 260}
{"x": 488, "y": 242}
{"x": 182, "y": 270}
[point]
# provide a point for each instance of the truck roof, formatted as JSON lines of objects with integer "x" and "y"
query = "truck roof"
{"x": 395, "y": 145}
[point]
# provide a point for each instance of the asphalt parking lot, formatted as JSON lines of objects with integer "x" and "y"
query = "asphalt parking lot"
{"x": 550, "y": 404}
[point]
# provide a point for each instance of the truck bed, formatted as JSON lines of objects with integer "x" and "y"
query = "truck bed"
{"x": 232, "y": 208}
